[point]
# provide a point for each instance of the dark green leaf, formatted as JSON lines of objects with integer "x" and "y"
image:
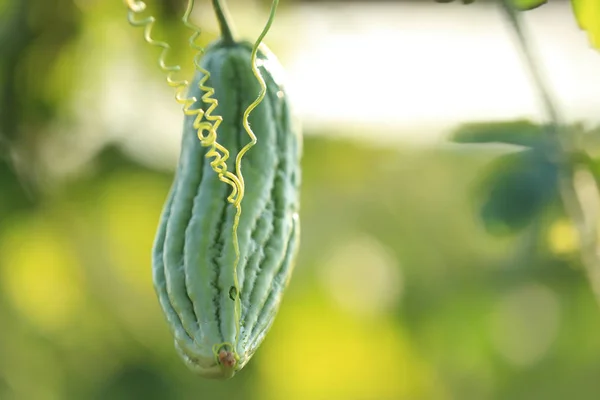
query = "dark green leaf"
{"x": 520, "y": 132}
{"x": 516, "y": 190}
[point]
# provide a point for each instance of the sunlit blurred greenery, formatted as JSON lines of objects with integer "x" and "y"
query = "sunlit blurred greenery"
{"x": 587, "y": 13}
{"x": 400, "y": 292}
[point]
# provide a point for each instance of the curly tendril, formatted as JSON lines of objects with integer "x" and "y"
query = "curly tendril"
{"x": 136, "y": 8}
{"x": 207, "y": 130}
{"x": 209, "y": 139}
{"x": 244, "y": 150}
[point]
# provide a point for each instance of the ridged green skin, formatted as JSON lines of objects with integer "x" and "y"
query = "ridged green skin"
{"x": 193, "y": 255}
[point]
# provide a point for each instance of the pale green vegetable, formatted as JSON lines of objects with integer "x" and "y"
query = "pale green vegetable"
{"x": 194, "y": 259}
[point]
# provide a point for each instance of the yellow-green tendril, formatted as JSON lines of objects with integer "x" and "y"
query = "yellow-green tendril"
{"x": 207, "y": 130}
{"x": 219, "y": 153}
{"x": 244, "y": 150}
{"x": 136, "y": 8}
{"x": 219, "y": 163}
{"x": 259, "y": 99}
{"x": 251, "y": 107}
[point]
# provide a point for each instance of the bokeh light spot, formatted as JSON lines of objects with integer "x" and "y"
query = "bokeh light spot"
{"x": 317, "y": 351}
{"x": 363, "y": 277}
{"x": 525, "y": 324}
{"x": 562, "y": 237}
{"x": 40, "y": 276}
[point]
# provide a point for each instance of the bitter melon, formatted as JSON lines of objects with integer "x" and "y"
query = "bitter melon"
{"x": 219, "y": 321}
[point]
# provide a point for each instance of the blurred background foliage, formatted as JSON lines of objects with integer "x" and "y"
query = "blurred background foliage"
{"x": 426, "y": 272}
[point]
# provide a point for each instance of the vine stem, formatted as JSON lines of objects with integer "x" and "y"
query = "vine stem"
{"x": 578, "y": 190}
{"x": 224, "y": 21}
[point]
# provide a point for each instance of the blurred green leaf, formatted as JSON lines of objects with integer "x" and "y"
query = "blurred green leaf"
{"x": 520, "y": 132}
{"x": 516, "y": 190}
{"x": 521, "y": 5}
{"x": 526, "y": 5}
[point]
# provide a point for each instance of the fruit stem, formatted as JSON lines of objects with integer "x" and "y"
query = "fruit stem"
{"x": 224, "y": 21}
